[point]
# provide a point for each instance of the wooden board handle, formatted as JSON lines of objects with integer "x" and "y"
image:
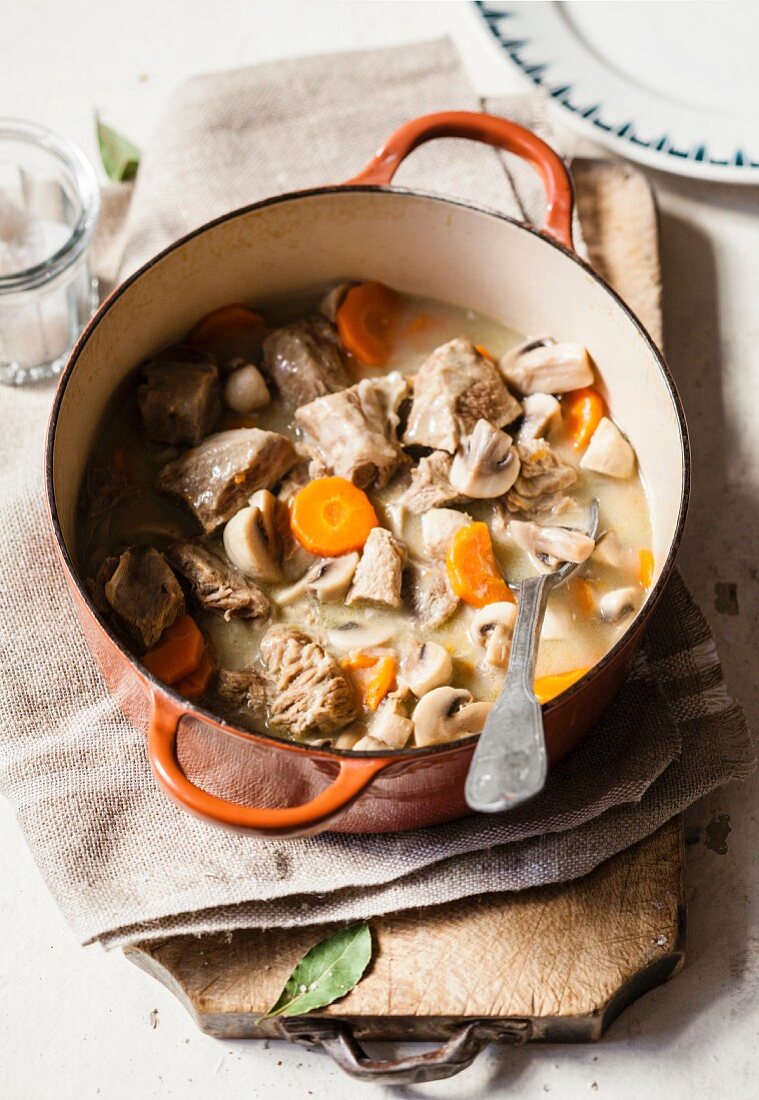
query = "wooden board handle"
{"x": 492, "y": 130}
{"x": 456, "y": 1054}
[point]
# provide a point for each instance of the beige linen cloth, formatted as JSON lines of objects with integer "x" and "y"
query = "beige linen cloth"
{"x": 123, "y": 862}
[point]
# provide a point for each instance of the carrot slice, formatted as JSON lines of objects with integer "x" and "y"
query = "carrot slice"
{"x": 483, "y": 351}
{"x": 381, "y": 682}
{"x": 548, "y": 687}
{"x": 417, "y": 324}
{"x": 331, "y": 516}
{"x": 645, "y": 567}
{"x": 194, "y": 685}
{"x": 473, "y": 570}
{"x": 366, "y": 321}
{"x": 582, "y": 592}
{"x": 178, "y": 653}
{"x": 583, "y": 410}
{"x": 229, "y": 331}
{"x": 359, "y": 660}
{"x": 373, "y": 685}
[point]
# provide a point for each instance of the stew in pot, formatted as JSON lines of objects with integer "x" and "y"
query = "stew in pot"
{"x": 306, "y": 519}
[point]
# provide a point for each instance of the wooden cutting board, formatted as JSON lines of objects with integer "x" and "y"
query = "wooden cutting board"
{"x": 555, "y": 962}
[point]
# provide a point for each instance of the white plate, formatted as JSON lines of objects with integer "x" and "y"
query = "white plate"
{"x": 672, "y": 85}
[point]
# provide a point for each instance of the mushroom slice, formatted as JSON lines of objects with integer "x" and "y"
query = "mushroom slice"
{"x": 548, "y": 547}
{"x": 439, "y": 525}
{"x": 390, "y": 728}
{"x": 360, "y": 635}
{"x": 291, "y": 594}
{"x": 486, "y": 465}
{"x": 251, "y": 540}
{"x": 609, "y": 452}
{"x": 271, "y": 510}
{"x": 493, "y": 628}
{"x": 446, "y": 713}
{"x": 543, "y": 366}
{"x": 330, "y": 579}
{"x": 332, "y": 300}
{"x": 618, "y": 604}
{"x": 540, "y": 412}
{"x": 425, "y": 666}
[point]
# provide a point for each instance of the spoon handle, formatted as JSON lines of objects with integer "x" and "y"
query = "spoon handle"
{"x": 510, "y": 764}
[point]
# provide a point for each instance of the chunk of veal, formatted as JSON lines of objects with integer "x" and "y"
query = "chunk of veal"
{"x": 179, "y": 398}
{"x": 453, "y": 389}
{"x": 354, "y": 433}
{"x": 142, "y": 592}
{"x": 430, "y": 485}
{"x": 542, "y": 366}
{"x": 610, "y": 550}
{"x": 379, "y": 573}
{"x": 240, "y": 695}
{"x": 432, "y": 599}
{"x": 304, "y": 361}
{"x": 543, "y": 477}
{"x": 215, "y": 479}
{"x": 216, "y": 584}
{"x": 609, "y": 452}
{"x": 306, "y": 691}
{"x": 439, "y": 525}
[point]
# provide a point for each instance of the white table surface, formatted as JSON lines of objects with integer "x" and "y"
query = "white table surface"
{"x": 76, "y": 1022}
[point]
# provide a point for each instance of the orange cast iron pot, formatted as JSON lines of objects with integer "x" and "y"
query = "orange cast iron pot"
{"x": 420, "y": 243}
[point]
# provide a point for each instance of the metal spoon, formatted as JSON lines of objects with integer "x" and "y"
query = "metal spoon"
{"x": 510, "y": 763}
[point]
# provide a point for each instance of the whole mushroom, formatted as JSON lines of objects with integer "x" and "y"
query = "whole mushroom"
{"x": 446, "y": 713}
{"x": 486, "y": 465}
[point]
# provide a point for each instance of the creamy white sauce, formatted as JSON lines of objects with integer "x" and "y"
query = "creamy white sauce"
{"x": 572, "y": 639}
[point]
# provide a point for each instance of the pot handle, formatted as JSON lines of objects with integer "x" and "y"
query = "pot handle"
{"x": 353, "y": 777}
{"x": 492, "y": 130}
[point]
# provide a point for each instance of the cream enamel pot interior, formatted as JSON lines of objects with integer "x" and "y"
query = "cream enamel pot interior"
{"x": 418, "y": 243}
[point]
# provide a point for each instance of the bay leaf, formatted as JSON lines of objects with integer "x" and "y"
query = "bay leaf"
{"x": 330, "y": 970}
{"x": 120, "y": 156}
